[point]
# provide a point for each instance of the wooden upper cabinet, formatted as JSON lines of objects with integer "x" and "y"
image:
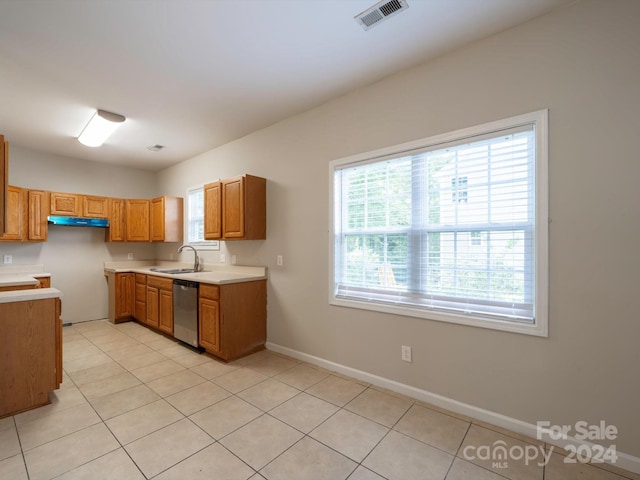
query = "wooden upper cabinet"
{"x": 38, "y": 210}
{"x": 213, "y": 211}
{"x": 4, "y": 175}
{"x": 16, "y": 217}
{"x": 67, "y": 204}
{"x": 137, "y": 220}
{"x": 95, "y": 207}
{"x": 117, "y": 227}
{"x": 236, "y": 209}
{"x": 166, "y": 219}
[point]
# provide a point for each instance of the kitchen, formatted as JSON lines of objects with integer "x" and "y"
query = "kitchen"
{"x": 532, "y": 379}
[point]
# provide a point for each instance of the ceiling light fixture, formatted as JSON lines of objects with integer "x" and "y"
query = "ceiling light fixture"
{"x": 101, "y": 125}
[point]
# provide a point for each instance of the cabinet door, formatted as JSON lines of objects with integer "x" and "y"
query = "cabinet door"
{"x": 157, "y": 219}
{"x": 15, "y": 225}
{"x": 209, "y": 325}
{"x": 153, "y": 296}
{"x": 140, "y": 309}
{"x": 116, "y": 230}
{"x": 233, "y": 208}
{"x": 4, "y": 175}
{"x": 95, "y": 207}
{"x": 166, "y": 311}
{"x": 38, "y": 201}
{"x": 137, "y": 220}
{"x": 213, "y": 211}
{"x": 125, "y": 283}
{"x": 65, "y": 204}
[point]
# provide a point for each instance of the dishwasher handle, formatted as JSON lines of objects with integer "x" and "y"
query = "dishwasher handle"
{"x": 185, "y": 283}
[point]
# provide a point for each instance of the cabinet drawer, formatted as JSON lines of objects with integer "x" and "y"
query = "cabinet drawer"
{"x": 160, "y": 282}
{"x": 141, "y": 292}
{"x": 141, "y": 278}
{"x": 211, "y": 292}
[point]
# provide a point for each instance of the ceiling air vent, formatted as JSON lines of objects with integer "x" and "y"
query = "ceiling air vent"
{"x": 379, "y": 12}
{"x": 155, "y": 148}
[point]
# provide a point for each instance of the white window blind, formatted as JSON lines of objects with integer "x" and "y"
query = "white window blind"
{"x": 448, "y": 228}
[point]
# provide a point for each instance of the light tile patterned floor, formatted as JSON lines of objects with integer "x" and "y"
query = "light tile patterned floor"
{"x": 137, "y": 405}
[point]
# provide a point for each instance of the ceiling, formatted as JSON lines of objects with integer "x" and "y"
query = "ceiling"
{"x": 195, "y": 74}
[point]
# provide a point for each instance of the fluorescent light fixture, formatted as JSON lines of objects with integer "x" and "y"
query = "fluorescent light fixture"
{"x": 101, "y": 125}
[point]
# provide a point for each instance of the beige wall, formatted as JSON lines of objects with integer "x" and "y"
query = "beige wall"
{"x": 75, "y": 255}
{"x": 582, "y": 63}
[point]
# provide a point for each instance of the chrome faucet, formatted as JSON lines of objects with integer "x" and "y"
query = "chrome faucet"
{"x": 197, "y": 267}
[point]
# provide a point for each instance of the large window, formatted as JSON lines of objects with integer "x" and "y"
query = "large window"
{"x": 449, "y": 228}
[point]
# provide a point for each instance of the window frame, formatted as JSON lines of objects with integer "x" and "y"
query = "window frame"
{"x": 202, "y": 244}
{"x": 539, "y": 327}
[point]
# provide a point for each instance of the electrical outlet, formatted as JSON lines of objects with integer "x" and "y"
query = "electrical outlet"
{"x": 223, "y": 258}
{"x": 129, "y": 256}
{"x": 8, "y": 259}
{"x": 406, "y": 353}
{"x": 279, "y": 260}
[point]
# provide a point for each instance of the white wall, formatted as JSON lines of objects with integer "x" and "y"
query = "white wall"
{"x": 582, "y": 63}
{"x": 75, "y": 255}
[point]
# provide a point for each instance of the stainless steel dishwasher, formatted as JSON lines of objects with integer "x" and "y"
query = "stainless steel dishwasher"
{"x": 185, "y": 311}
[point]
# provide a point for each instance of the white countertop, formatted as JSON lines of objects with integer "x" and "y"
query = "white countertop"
{"x": 18, "y": 275}
{"x": 29, "y": 294}
{"x": 215, "y": 274}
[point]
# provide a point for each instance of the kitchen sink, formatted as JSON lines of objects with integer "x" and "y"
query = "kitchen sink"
{"x": 173, "y": 271}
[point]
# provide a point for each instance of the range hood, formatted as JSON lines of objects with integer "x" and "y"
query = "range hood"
{"x": 78, "y": 221}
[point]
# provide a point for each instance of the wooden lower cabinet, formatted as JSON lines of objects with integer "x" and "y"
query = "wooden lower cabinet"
{"x": 159, "y": 303}
{"x": 233, "y": 318}
{"x": 31, "y": 364}
{"x": 209, "y": 325}
{"x": 165, "y": 311}
{"x": 140, "y": 308}
{"x": 125, "y": 290}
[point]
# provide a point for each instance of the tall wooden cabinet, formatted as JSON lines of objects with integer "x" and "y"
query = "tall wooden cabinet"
{"x": 236, "y": 209}
{"x": 4, "y": 175}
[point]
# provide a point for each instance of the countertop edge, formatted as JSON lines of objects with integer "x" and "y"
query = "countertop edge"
{"x": 200, "y": 277}
{"x": 29, "y": 294}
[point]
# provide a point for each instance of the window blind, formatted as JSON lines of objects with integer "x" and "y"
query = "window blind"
{"x": 447, "y": 227}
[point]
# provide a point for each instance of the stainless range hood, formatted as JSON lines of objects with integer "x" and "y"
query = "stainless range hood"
{"x": 78, "y": 221}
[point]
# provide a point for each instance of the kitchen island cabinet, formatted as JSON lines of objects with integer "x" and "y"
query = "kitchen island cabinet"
{"x": 31, "y": 348}
{"x": 236, "y": 209}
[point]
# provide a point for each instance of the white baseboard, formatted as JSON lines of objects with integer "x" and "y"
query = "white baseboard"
{"x": 624, "y": 461}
